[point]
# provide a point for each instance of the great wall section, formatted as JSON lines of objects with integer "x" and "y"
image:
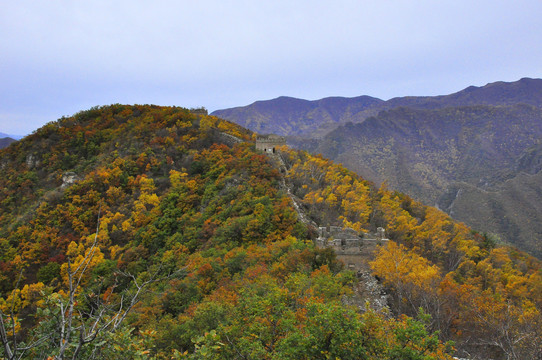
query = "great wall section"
{"x": 353, "y": 249}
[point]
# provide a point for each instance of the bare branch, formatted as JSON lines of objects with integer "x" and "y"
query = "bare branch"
{"x": 88, "y": 257}
{"x": 77, "y": 327}
{"x": 4, "y": 337}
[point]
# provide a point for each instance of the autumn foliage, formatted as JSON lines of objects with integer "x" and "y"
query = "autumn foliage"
{"x": 486, "y": 298}
{"x": 177, "y": 195}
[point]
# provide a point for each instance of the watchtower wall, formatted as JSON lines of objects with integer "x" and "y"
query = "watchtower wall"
{"x": 270, "y": 143}
{"x": 354, "y": 249}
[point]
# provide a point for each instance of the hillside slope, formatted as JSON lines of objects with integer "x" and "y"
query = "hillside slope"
{"x": 163, "y": 234}
{"x": 440, "y": 156}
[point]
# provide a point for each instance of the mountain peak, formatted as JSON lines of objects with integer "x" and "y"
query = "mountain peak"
{"x": 5, "y": 141}
{"x": 525, "y": 90}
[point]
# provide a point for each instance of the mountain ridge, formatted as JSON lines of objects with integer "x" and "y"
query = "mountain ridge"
{"x": 5, "y": 141}
{"x": 310, "y": 118}
{"x": 304, "y": 114}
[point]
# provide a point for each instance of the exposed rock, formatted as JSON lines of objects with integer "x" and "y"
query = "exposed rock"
{"x": 31, "y": 161}
{"x": 68, "y": 179}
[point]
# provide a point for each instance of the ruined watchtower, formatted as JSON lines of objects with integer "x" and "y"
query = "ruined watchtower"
{"x": 199, "y": 111}
{"x": 269, "y": 143}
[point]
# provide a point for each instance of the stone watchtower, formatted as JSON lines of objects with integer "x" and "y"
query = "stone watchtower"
{"x": 199, "y": 111}
{"x": 269, "y": 143}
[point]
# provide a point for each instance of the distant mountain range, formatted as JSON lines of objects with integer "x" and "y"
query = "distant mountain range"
{"x": 5, "y": 141}
{"x": 291, "y": 117}
{"x": 477, "y": 153}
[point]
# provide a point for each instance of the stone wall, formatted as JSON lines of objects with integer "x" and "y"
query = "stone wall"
{"x": 353, "y": 249}
{"x": 270, "y": 143}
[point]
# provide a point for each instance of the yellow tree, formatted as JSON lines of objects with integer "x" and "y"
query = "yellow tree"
{"x": 412, "y": 277}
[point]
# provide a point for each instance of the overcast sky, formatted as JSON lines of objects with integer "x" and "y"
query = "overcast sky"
{"x": 59, "y": 57}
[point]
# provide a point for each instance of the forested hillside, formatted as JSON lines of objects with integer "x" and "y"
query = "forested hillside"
{"x": 475, "y": 153}
{"x": 460, "y": 277}
{"x": 153, "y": 232}
{"x": 480, "y": 164}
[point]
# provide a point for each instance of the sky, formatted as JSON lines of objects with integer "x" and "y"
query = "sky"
{"x": 61, "y": 57}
